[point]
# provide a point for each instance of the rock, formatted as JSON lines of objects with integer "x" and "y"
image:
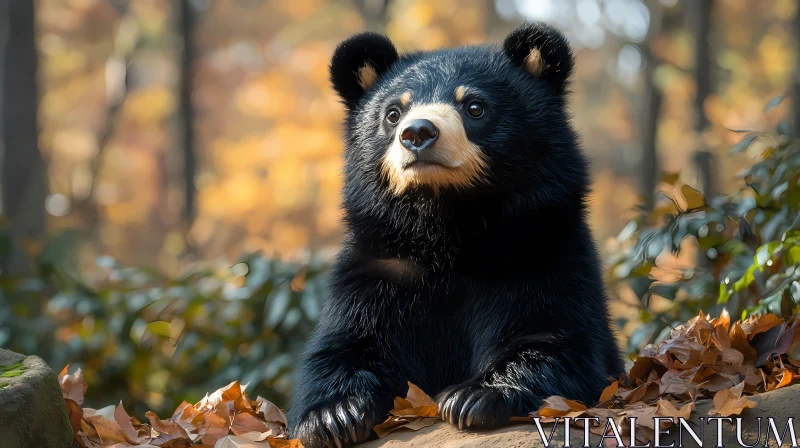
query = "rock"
{"x": 780, "y": 405}
{"x": 32, "y": 411}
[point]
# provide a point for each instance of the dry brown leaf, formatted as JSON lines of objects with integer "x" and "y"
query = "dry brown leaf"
{"x": 740, "y": 342}
{"x": 416, "y": 404}
{"x": 394, "y": 423}
{"x": 416, "y": 411}
{"x": 231, "y": 392}
{"x": 109, "y": 431}
{"x": 556, "y": 406}
{"x": 609, "y": 391}
{"x": 270, "y": 412}
{"x": 785, "y": 379}
{"x": 124, "y": 421}
{"x": 774, "y": 342}
{"x": 75, "y": 414}
{"x": 727, "y": 402}
{"x": 212, "y": 428}
{"x": 73, "y": 386}
{"x": 244, "y": 422}
{"x": 758, "y": 324}
{"x": 180, "y": 443}
{"x": 240, "y": 442}
{"x": 667, "y": 409}
{"x": 167, "y": 429}
{"x": 645, "y": 392}
{"x": 275, "y": 442}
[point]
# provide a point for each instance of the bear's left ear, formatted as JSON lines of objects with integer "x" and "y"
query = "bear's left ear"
{"x": 358, "y": 62}
{"x": 543, "y": 51}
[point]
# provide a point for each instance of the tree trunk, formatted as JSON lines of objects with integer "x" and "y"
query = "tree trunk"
{"x": 186, "y": 23}
{"x": 700, "y": 13}
{"x": 650, "y": 108}
{"x": 796, "y": 86}
{"x": 652, "y": 105}
{"x": 23, "y": 173}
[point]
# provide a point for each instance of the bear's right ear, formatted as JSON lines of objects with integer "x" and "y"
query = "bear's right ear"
{"x": 358, "y": 62}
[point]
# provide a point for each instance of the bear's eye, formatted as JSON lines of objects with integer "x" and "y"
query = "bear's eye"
{"x": 475, "y": 109}
{"x": 393, "y": 116}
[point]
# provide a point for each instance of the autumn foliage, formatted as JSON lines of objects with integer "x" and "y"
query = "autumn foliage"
{"x": 226, "y": 418}
{"x": 706, "y": 358}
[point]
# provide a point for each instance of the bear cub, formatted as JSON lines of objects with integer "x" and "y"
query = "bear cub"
{"x": 467, "y": 266}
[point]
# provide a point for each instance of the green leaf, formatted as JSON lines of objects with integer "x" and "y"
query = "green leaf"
{"x": 724, "y": 293}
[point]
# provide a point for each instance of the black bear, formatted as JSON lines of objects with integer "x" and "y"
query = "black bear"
{"x": 467, "y": 266}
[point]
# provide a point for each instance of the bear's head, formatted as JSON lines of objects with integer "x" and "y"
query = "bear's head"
{"x": 458, "y": 125}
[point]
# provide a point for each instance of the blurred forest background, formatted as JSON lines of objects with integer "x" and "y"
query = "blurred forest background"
{"x": 147, "y": 144}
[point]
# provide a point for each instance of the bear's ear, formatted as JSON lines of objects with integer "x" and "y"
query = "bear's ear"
{"x": 541, "y": 50}
{"x": 358, "y": 62}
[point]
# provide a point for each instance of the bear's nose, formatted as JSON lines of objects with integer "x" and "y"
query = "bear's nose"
{"x": 418, "y": 135}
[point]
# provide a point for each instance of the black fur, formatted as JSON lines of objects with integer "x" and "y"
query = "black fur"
{"x": 491, "y": 297}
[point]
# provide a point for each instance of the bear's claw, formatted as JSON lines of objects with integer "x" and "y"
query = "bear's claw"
{"x": 472, "y": 405}
{"x": 337, "y": 424}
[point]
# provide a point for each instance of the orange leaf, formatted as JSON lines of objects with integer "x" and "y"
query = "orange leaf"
{"x": 609, "y": 391}
{"x": 786, "y": 379}
{"x": 727, "y": 403}
{"x": 284, "y": 443}
{"x": 759, "y": 324}
{"x": 416, "y": 404}
{"x": 556, "y": 406}
{"x": 244, "y": 422}
{"x": 667, "y": 409}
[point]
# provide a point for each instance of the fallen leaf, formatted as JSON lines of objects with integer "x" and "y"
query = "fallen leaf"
{"x": 609, "y": 391}
{"x": 73, "y": 386}
{"x": 785, "y": 379}
{"x": 124, "y": 421}
{"x": 167, "y": 430}
{"x": 758, "y": 324}
{"x": 667, "y": 409}
{"x": 75, "y": 414}
{"x": 741, "y": 343}
{"x": 416, "y": 404}
{"x": 727, "y": 403}
{"x": 394, "y": 423}
{"x": 775, "y": 341}
{"x": 270, "y": 412}
{"x": 240, "y": 442}
{"x": 109, "y": 431}
{"x": 417, "y": 410}
{"x": 284, "y": 443}
{"x": 244, "y": 422}
{"x": 556, "y": 406}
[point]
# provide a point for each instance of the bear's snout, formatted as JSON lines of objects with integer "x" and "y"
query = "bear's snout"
{"x": 418, "y": 135}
